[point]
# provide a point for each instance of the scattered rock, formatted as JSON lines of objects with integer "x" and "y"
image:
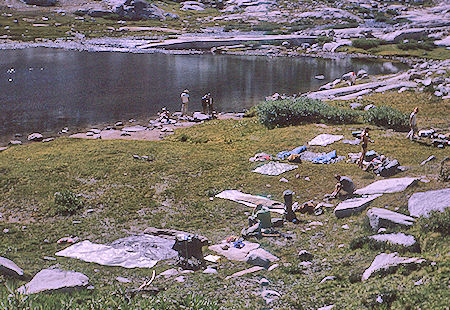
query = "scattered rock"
{"x": 210, "y": 270}
{"x": 397, "y": 239}
{"x": 48, "y": 140}
{"x": 260, "y": 257}
{"x": 123, "y": 280}
{"x": 319, "y": 77}
{"x": 386, "y": 186}
{"x": 35, "y": 137}
{"x": 9, "y": 268}
{"x": 353, "y": 205}
{"x": 3, "y": 148}
{"x": 385, "y": 262}
{"x": 328, "y": 278}
{"x": 54, "y": 279}
{"x": 139, "y": 9}
{"x": 421, "y": 204}
{"x": 269, "y": 295}
{"x": 326, "y": 307}
{"x": 304, "y": 255}
{"x": 15, "y": 142}
{"x": 180, "y": 279}
{"x": 432, "y": 157}
{"x": 379, "y": 217}
{"x": 244, "y": 272}
{"x": 169, "y": 273}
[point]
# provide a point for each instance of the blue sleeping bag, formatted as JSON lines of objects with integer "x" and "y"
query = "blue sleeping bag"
{"x": 297, "y": 150}
{"x": 324, "y": 159}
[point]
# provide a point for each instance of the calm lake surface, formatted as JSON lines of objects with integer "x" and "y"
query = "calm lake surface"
{"x": 47, "y": 89}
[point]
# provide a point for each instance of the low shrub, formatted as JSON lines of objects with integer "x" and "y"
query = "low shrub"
{"x": 415, "y": 45}
{"x": 387, "y": 117}
{"x": 281, "y": 113}
{"x": 366, "y": 43}
{"x": 67, "y": 202}
{"x": 436, "y": 222}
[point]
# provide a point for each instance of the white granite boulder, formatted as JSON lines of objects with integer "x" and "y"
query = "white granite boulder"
{"x": 386, "y": 261}
{"x": 54, "y": 279}
{"x": 379, "y": 217}
{"x": 9, "y": 268}
{"x": 354, "y": 205}
{"x": 387, "y": 186}
{"x": 35, "y": 137}
{"x": 421, "y": 204}
{"x": 395, "y": 239}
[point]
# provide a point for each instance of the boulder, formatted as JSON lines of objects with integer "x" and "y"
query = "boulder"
{"x": 386, "y": 262}
{"x": 361, "y": 73}
{"x": 3, "y": 148}
{"x": 9, "y": 268}
{"x": 41, "y": 2}
{"x": 54, "y": 279}
{"x": 421, "y": 204}
{"x": 410, "y": 33}
{"x": 387, "y": 186}
{"x": 304, "y": 255}
{"x": 379, "y": 217}
{"x": 260, "y": 257}
{"x": 354, "y": 205}
{"x": 35, "y": 137}
{"x": 139, "y": 9}
{"x": 15, "y": 142}
{"x": 395, "y": 239}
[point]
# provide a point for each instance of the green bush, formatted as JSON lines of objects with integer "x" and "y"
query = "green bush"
{"x": 387, "y": 117}
{"x": 415, "y": 45}
{"x": 436, "y": 222}
{"x": 67, "y": 202}
{"x": 287, "y": 112}
{"x": 366, "y": 43}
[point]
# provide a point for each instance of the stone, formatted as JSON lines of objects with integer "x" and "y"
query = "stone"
{"x": 369, "y": 106}
{"x": 354, "y": 205}
{"x": 180, "y": 279}
{"x": 269, "y": 295}
{"x": 355, "y": 105}
{"x": 210, "y": 270}
{"x": 15, "y": 142}
{"x": 9, "y": 268}
{"x": 387, "y": 186}
{"x": 139, "y": 9}
{"x": 329, "y": 307}
{"x": 48, "y": 140}
{"x": 319, "y": 77}
{"x": 409, "y": 33}
{"x": 3, "y": 148}
{"x": 244, "y": 272}
{"x": 35, "y": 137}
{"x": 54, "y": 279}
{"x": 328, "y": 278}
{"x": 233, "y": 253}
{"x": 396, "y": 239}
{"x": 432, "y": 157}
{"x": 304, "y": 255}
{"x": 41, "y": 2}
{"x": 423, "y": 203}
{"x": 260, "y": 257}
{"x": 361, "y": 73}
{"x": 169, "y": 273}
{"x": 386, "y": 262}
{"x": 123, "y": 280}
{"x": 379, "y": 217}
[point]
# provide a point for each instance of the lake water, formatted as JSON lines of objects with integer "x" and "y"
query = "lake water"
{"x": 47, "y": 89}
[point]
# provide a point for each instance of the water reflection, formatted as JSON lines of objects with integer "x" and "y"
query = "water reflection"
{"x": 54, "y": 88}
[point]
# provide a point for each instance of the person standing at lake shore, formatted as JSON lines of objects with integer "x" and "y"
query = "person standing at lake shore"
{"x": 184, "y": 102}
{"x": 413, "y": 124}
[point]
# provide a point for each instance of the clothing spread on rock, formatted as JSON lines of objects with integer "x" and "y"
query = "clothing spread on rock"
{"x": 347, "y": 184}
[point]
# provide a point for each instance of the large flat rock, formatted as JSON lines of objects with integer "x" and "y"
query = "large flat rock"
{"x": 421, "y": 204}
{"x": 386, "y": 261}
{"x": 9, "y": 268}
{"x": 54, "y": 279}
{"x": 354, "y": 205}
{"x": 396, "y": 239}
{"x": 387, "y": 186}
{"x": 379, "y": 217}
{"x": 233, "y": 253}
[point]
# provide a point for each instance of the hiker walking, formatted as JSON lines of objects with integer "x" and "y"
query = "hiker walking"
{"x": 364, "y": 144}
{"x": 413, "y": 124}
{"x": 184, "y": 102}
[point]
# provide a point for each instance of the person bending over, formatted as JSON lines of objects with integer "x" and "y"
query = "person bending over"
{"x": 344, "y": 183}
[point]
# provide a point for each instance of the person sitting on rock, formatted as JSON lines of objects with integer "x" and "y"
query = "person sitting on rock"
{"x": 344, "y": 183}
